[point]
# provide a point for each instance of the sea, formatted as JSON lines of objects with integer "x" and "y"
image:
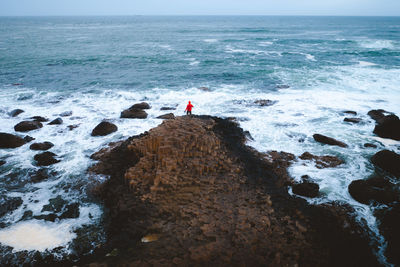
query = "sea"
{"x": 312, "y": 69}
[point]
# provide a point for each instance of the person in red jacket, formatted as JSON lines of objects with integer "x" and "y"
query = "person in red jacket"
{"x": 189, "y": 109}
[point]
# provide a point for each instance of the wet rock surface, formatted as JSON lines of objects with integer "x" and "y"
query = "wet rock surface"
{"x": 388, "y": 161}
{"x": 377, "y": 114}
{"x": 134, "y": 113}
{"x": 45, "y": 159}
{"x": 15, "y": 112}
{"x": 41, "y": 146}
{"x": 189, "y": 192}
{"x": 66, "y": 114}
{"x": 350, "y": 112}
{"x": 388, "y": 127}
{"x": 142, "y": 105}
{"x": 328, "y": 140}
{"x": 306, "y": 189}
{"x": 104, "y": 128}
{"x": 168, "y": 108}
{"x": 39, "y": 119}
{"x": 167, "y": 116}
{"x": 2, "y": 162}
{"x": 57, "y": 121}
{"x": 322, "y": 161}
{"x": 352, "y": 120}
{"x": 370, "y": 145}
{"x": 26, "y": 126}
{"x": 10, "y": 141}
{"x": 9, "y": 204}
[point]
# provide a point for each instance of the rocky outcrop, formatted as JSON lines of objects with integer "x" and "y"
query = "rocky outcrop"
{"x": 197, "y": 195}
{"x": 2, "y": 162}
{"x": 142, "y": 105}
{"x": 328, "y": 140}
{"x": 104, "y": 128}
{"x": 352, "y": 120}
{"x": 377, "y": 114}
{"x": 134, "y": 113}
{"x": 306, "y": 189}
{"x": 15, "y": 112}
{"x": 322, "y": 161}
{"x": 167, "y": 116}
{"x": 41, "y": 146}
{"x": 373, "y": 189}
{"x": 10, "y": 141}
{"x": 388, "y": 161}
{"x": 26, "y": 126}
{"x": 57, "y": 121}
{"x": 45, "y": 159}
{"x": 388, "y": 127}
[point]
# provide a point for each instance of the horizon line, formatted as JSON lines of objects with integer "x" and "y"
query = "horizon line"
{"x": 194, "y": 15}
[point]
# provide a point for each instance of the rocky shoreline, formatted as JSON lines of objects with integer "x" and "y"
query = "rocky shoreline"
{"x": 190, "y": 192}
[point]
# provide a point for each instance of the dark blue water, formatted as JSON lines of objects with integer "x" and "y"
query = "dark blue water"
{"x": 313, "y": 67}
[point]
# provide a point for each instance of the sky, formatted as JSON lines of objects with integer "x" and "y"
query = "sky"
{"x": 200, "y": 7}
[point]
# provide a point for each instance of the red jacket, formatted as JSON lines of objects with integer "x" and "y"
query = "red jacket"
{"x": 189, "y": 107}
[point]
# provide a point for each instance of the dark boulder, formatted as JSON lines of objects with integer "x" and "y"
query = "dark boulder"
{"x": 167, "y": 108}
{"x": 389, "y": 222}
{"x": 322, "y": 161}
{"x": 104, "y": 128}
{"x": 388, "y": 161}
{"x": 56, "y": 121}
{"x": 8, "y": 204}
{"x": 328, "y": 140}
{"x": 350, "y": 112}
{"x": 205, "y": 89}
{"x": 26, "y": 126}
{"x": 72, "y": 126}
{"x": 306, "y": 189}
{"x": 71, "y": 211}
{"x": 39, "y": 175}
{"x": 134, "y": 113}
{"x": 47, "y": 217}
{"x": 373, "y": 189}
{"x": 388, "y": 127}
{"x": 370, "y": 145}
{"x": 377, "y": 114}
{"x": 167, "y": 116}
{"x": 10, "y": 141}
{"x": 282, "y": 86}
{"x": 39, "y": 119}
{"x": 264, "y": 102}
{"x": 15, "y": 112}
{"x": 2, "y": 162}
{"x": 45, "y": 159}
{"x": 55, "y": 204}
{"x": 142, "y": 105}
{"x": 352, "y": 120}
{"x": 28, "y": 138}
{"x": 41, "y": 146}
{"x": 66, "y": 114}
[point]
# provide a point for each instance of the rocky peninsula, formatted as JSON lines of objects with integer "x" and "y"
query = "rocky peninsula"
{"x": 190, "y": 192}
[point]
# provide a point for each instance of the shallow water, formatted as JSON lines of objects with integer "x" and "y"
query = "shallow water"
{"x": 314, "y": 67}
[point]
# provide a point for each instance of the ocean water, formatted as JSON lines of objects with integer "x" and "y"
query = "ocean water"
{"x": 313, "y": 67}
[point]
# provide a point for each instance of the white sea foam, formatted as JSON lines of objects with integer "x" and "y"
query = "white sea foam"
{"x": 366, "y": 64}
{"x": 376, "y": 44}
{"x": 210, "y": 40}
{"x": 265, "y": 43}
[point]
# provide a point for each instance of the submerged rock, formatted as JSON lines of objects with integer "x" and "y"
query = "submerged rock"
{"x": 350, "y": 112}
{"x": 71, "y": 211}
{"x": 167, "y": 116}
{"x": 26, "y": 126}
{"x": 328, "y": 140}
{"x": 45, "y": 159}
{"x": 388, "y": 161}
{"x": 205, "y": 89}
{"x": 15, "y": 112}
{"x": 55, "y": 204}
{"x": 104, "y": 128}
{"x": 72, "y": 126}
{"x": 28, "y": 138}
{"x": 306, "y": 189}
{"x": 134, "y": 113}
{"x": 2, "y": 162}
{"x": 41, "y": 146}
{"x": 39, "y": 119}
{"x": 322, "y": 161}
{"x": 168, "y": 108}
{"x": 39, "y": 175}
{"x": 8, "y": 204}
{"x": 370, "y": 145}
{"x": 66, "y": 114}
{"x": 388, "y": 127}
{"x": 265, "y": 102}
{"x": 10, "y": 141}
{"x": 373, "y": 189}
{"x": 57, "y": 121}
{"x": 352, "y": 120}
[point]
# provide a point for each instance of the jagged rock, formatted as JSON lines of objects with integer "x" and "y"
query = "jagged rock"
{"x": 167, "y": 116}
{"x": 47, "y": 217}
{"x": 28, "y": 138}
{"x": 373, "y": 189}
{"x": 41, "y": 146}
{"x": 57, "y": 121}
{"x": 8, "y": 204}
{"x": 2, "y": 162}
{"x": 352, "y": 120}
{"x": 39, "y": 119}
{"x": 389, "y": 221}
{"x": 134, "y": 113}
{"x": 55, "y": 204}
{"x": 142, "y": 105}
{"x": 15, "y": 112}
{"x": 66, "y": 114}
{"x": 264, "y": 102}
{"x": 10, "y": 141}
{"x": 328, "y": 140}
{"x": 370, "y": 145}
{"x": 71, "y": 211}
{"x": 72, "y": 126}
{"x": 388, "y": 127}
{"x": 26, "y": 126}
{"x": 377, "y": 114}
{"x": 104, "y": 128}
{"x": 350, "y": 112}
{"x": 306, "y": 189}
{"x": 322, "y": 161}
{"x": 388, "y": 161}
{"x": 45, "y": 159}
{"x": 168, "y": 108}
{"x": 39, "y": 175}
